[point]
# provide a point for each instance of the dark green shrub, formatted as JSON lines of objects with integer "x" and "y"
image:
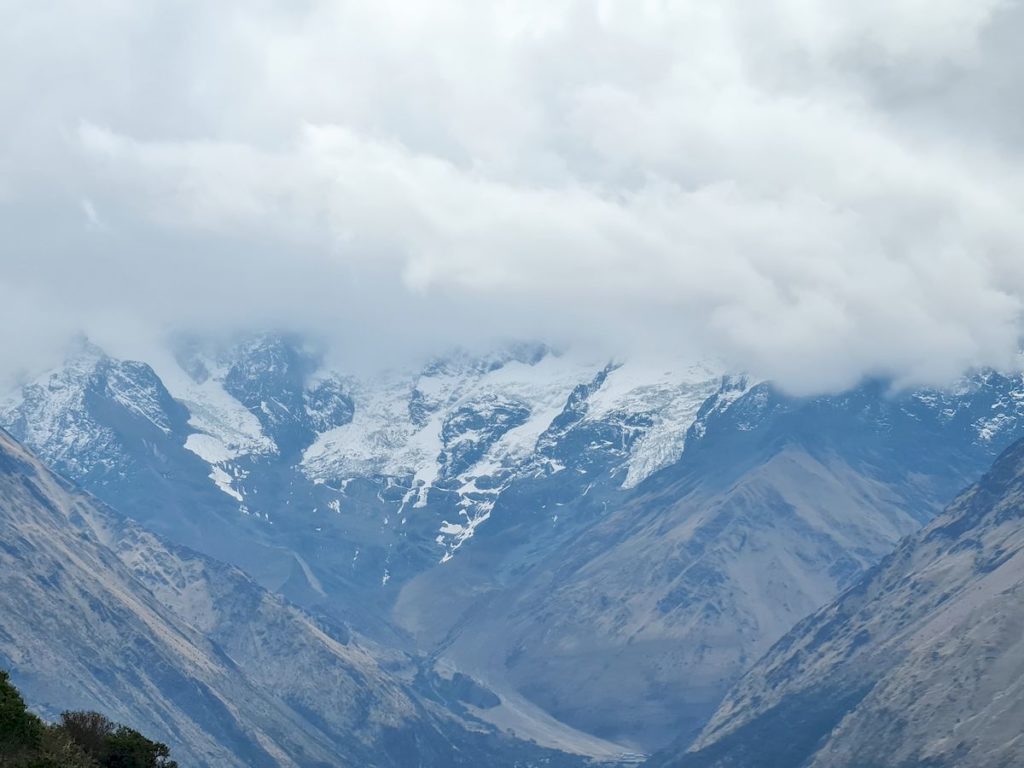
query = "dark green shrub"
{"x": 80, "y": 740}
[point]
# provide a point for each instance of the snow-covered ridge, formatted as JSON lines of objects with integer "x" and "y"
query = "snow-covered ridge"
{"x": 464, "y": 421}
{"x": 385, "y": 438}
{"x": 388, "y": 436}
{"x": 469, "y": 424}
{"x": 51, "y": 413}
{"x": 230, "y": 430}
{"x": 670, "y": 395}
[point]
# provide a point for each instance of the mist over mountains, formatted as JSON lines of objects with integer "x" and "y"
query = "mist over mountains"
{"x": 530, "y": 384}
{"x": 813, "y": 193}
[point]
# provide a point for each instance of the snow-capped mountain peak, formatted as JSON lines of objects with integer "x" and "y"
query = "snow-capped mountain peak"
{"x": 451, "y": 435}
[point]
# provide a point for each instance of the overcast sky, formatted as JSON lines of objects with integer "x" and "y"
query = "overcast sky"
{"x": 813, "y": 190}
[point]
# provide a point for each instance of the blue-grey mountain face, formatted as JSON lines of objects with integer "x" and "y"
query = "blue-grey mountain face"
{"x": 921, "y": 662}
{"x": 108, "y": 412}
{"x": 610, "y": 545}
{"x": 665, "y": 594}
{"x": 270, "y": 377}
{"x": 97, "y": 613}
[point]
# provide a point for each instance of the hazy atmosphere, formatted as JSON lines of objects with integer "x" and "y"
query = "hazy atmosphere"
{"x": 815, "y": 192}
{"x": 511, "y": 384}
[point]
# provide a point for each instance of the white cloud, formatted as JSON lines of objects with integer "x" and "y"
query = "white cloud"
{"x": 793, "y": 185}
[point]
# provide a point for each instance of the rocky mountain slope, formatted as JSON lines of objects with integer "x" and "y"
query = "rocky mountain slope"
{"x": 575, "y": 535}
{"x": 672, "y": 590}
{"x": 920, "y": 663}
{"x": 97, "y": 613}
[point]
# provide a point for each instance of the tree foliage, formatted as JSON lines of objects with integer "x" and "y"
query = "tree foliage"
{"x": 80, "y": 740}
{"x": 20, "y": 730}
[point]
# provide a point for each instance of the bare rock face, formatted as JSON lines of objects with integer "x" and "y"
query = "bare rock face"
{"x": 920, "y": 663}
{"x": 97, "y": 613}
